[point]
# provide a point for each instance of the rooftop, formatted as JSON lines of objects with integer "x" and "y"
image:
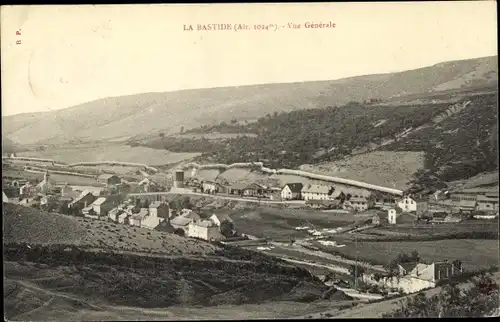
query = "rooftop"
{"x": 204, "y": 223}
{"x": 156, "y": 204}
{"x": 141, "y": 215}
{"x": 106, "y": 176}
{"x": 99, "y": 201}
{"x": 315, "y": 188}
{"x": 295, "y": 187}
{"x": 181, "y": 221}
{"x": 487, "y": 199}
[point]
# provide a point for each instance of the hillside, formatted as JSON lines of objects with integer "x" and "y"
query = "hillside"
{"x": 62, "y": 268}
{"x": 458, "y": 139}
{"x": 151, "y": 113}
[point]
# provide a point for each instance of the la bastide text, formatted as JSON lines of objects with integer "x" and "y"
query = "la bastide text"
{"x": 259, "y": 27}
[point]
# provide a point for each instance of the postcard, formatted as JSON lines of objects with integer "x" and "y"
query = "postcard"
{"x": 250, "y": 161}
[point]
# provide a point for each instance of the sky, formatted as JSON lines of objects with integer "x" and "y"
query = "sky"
{"x": 70, "y": 55}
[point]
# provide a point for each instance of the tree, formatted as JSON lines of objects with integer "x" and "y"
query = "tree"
{"x": 63, "y": 209}
{"x": 226, "y": 228}
{"x": 356, "y": 273}
{"x": 179, "y": 231}
{"x": 162, "y": 135}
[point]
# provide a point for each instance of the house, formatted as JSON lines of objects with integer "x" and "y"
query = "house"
{"x": 359, "y": 203}
{"x": 188, "y": 213}
{"x": 109, "y": 179}
{"x": 66, "y": 190}
{"x": 29, "y": 202}
{"x": 123, "y": 218}
{"x": 181, "y": 222}
{"x": 415, "y": 276}
{"x": 144, "y": 185}
{"x": 102, "y": 206}
{"x": 83, "y": 200}
{"x": 464, "y": 205}
{"x": 487, "y": 203}
{"x": 439, "y": 216}
{"x": 11, "y": 194}
{"x": 254, "y": 190}
{"x": 27, "y": 190}
{"x": 317, "y": 192}
{"x": 452, "y": 219}
{"x": 114, "y": 213}
{"x": 46, "y": 184}
{"x": 237, "y": 189}
{"x": 219, "y": 219}
{"x": 210, "y": 187}
{"x": 488, "y": 216}
{"x": 393, "y": 214}
{"x": 323, "y": 204}
{"x": 160, "y": 209}
{"x": 137, "y": 219}
{"x": 204, "y": 229}
{"x": 407, "y": 204}
{"x": 422, "y": 206}
{"x": 291, "y": 191}
{"x": 4, "y": 197}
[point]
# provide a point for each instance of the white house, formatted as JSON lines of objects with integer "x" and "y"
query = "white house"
{"x": 46, "y": 184}
{"x": 27, "y": 190}
{"x": 291, "y": 191}
{"x": 414, "y": 277}
{"x": 160, "y": 209}
{"x": 210, "y": 187}
{"x": 359, "y": 203}
{"x": 407, "y": 204}
{"x": 4, "y": 197}
{"x": 136, "y": 219}
{"x": 317, "y": 192}
{"x": 204, "y": 229}
{"x": 393, "y": 214}
{"x": 123, "y": 218}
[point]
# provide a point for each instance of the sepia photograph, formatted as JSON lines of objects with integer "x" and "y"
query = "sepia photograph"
{"x": 250, "y": 161}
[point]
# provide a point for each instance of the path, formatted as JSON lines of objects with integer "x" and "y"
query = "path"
{"x": 215, "y": 196}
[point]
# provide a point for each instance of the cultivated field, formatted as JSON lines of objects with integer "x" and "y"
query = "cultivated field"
{"x": 475, "y": 254}
{"x": 108, "y": 152}
{"x": 384, "y": 168}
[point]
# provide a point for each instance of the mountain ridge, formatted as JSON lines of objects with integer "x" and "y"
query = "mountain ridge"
{"x": 122, "y": 117}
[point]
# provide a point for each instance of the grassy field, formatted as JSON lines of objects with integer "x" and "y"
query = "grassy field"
{"x": 385, "y": 168}
{"x": 108, "y": 152}
{"x": 280, "y": 223}
{"x": 474, "y": 254}
{"x": 48, "y": 282}
{"x": 25, "y": 224}
{"x": 469, "y": 226}
{"x": 57, "y": 178}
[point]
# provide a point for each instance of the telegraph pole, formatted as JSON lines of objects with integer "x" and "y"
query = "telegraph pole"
{"x": 356, "y": 264}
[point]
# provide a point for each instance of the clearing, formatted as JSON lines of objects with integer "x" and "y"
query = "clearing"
{"x": 475, "y": 254}
{"x": 108, "y": 152}
{"x": 384, "y": 168}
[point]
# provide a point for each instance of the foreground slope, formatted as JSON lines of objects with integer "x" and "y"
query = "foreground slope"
{"x": 127, "y": 116}
{"x": 61, "y": 267}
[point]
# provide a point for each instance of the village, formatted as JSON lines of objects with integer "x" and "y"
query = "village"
{"x": 148, "y": 207}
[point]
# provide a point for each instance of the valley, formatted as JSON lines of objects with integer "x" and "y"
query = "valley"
{"x": 324, "y": 196}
